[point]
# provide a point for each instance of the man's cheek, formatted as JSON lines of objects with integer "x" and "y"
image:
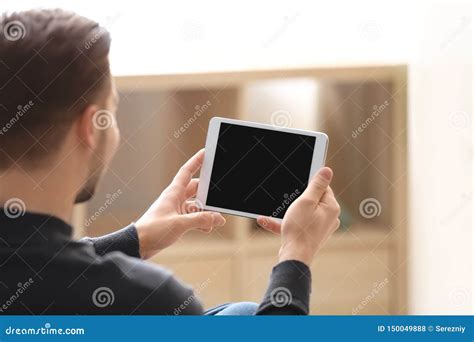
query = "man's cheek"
{"x": 113, "y": 142}
{"x": 117, "y": 138}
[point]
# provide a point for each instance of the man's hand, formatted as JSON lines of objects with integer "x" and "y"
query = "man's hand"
{"x": 172, "y": 214}
{"x": 309, "y": 221}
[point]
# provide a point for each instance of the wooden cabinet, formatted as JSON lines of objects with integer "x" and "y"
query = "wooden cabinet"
{"x": 163, "y": 121}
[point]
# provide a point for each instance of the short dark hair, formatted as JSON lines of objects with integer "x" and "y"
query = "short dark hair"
{"x": 53, "y": 63}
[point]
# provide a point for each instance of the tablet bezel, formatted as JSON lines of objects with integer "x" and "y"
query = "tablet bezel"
{"x": 319, "y": 157}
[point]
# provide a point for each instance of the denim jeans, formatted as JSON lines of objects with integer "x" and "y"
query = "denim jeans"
{"x": 233, "y": 309}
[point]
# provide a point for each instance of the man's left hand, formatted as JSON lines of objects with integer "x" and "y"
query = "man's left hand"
{"x": 173, "y": 213}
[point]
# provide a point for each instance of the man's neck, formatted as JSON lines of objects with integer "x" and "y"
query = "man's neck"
{"x": 41, "y": 191}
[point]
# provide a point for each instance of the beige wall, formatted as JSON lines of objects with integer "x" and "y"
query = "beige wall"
{"x": 440, "y": 164}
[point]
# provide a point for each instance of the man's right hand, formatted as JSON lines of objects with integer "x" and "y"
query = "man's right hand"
{"x": 309, "y": 221}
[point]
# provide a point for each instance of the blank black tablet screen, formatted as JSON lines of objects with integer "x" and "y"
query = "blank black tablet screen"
{"x": 259, "y": 171}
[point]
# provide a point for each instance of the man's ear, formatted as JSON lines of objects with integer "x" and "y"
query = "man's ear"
{"x": 85, "y": 129}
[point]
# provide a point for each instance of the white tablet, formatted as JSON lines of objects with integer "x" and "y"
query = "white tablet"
{"x": 253, "y": 169}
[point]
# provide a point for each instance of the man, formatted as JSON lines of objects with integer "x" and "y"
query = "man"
{"x": 55, "y": 86}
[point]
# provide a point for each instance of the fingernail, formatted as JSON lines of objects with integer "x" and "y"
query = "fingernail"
{"x": 326, "y": 173}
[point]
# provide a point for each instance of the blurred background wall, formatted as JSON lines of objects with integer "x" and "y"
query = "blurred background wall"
{"x": 440, "y": 102}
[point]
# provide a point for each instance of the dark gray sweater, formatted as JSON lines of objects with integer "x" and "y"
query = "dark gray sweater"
{"x": 44, "y": 271}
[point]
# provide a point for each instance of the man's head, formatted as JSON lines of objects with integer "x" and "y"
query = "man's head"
{"x": 57, "y": 98}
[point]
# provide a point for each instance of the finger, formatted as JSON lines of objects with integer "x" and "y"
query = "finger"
{"x": 186, "y": 172}
{"x": 269, "y": 224}
{"x": 191, "y": 189}
{"x": 328, "y": 196}
{"x": 318, "y": 184}
{"x": 330, "y": 201}
{"x": 191, "y": 207}
{"x": 206, "y": 230}
{"x": 335, "y": 226}
{"x": 201, "y": 220}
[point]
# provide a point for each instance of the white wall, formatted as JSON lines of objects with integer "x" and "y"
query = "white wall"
{"x": 440, "y": 118}
{"x": 435, "y": 40}
{"x": 287, "y": 103}
{"x": 187, "y": 36}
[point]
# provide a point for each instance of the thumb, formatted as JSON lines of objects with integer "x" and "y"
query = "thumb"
{"x": 269, "y": 224}
{"x": 318, "y": 184}
{"x": 203, "y": 220}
